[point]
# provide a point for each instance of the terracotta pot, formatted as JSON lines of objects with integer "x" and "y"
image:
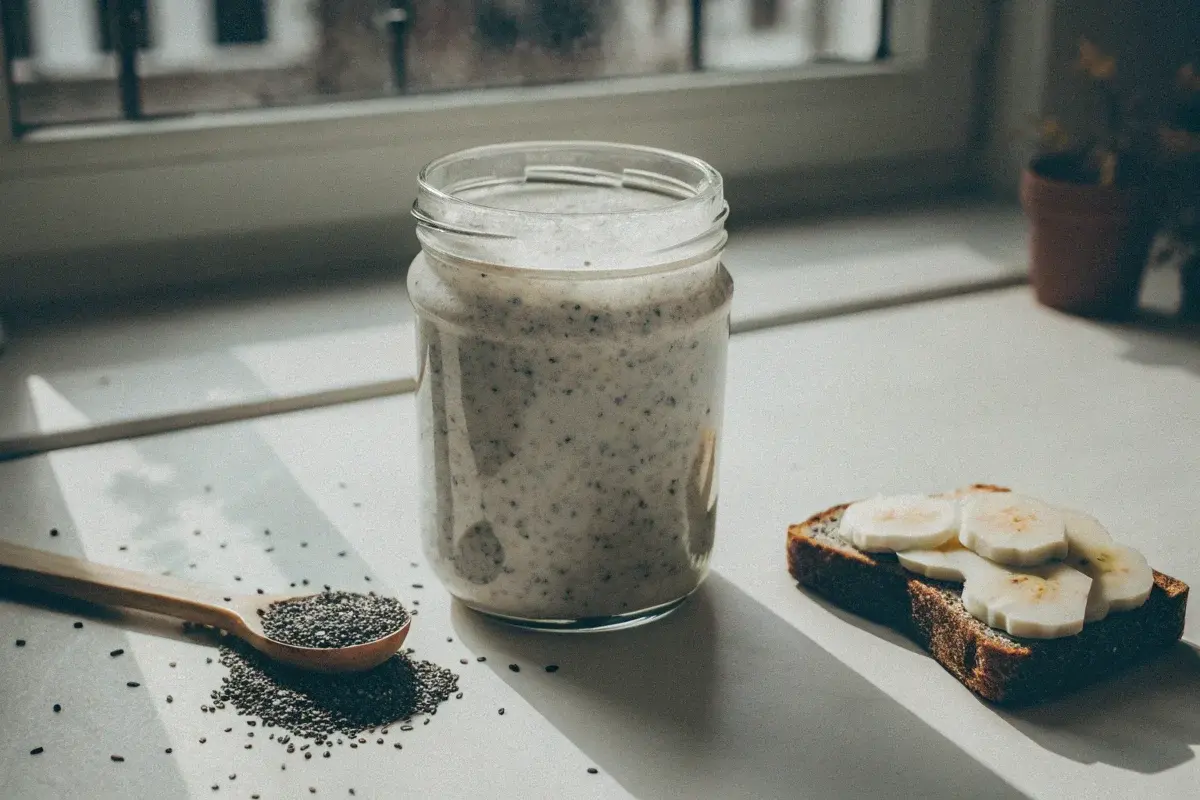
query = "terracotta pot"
{"x": 1088, "y": 245}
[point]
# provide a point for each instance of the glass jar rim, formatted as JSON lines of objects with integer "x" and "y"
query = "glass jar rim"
{"x": 689, "y": 225}
{"x": 710, "y": 182}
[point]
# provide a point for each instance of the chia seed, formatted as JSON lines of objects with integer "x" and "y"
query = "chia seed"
{"x": 57, "y": 708}
{"x": 552, "y": 668}
{"x": 317, "y": 706}
{"x": 334, "y": 619}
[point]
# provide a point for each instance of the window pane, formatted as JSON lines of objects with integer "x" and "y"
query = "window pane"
{"x": 211, "y": 55}
{"x": 498, "y": 42}
{"x": 15, "y": 22}
{"x": 758, "y": 34}
{"x": 240, "y": 21}
{"x": 64, "y": 75}
{"x": 314, "y": 51}
{"x": 104, "y": 23}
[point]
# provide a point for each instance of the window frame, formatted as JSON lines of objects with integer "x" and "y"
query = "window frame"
{"x": 854, "y": 129}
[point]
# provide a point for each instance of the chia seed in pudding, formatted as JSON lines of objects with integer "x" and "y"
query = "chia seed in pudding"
{"x": 569, "y": 429}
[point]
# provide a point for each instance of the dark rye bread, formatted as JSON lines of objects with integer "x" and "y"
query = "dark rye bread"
{"x": 1004, "y": 669}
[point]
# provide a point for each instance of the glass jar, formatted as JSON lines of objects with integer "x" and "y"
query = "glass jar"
{"x": 573, "y": 322}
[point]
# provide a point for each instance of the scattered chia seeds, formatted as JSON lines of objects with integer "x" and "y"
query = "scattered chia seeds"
{"x": 514, "y": 667}
{"x": 552, "y": 668}
{"x": 117, "y": 759}
{"x": 54, "y": 531}
{"x": 132, "y": 684}
{"x": 117, "y": 652}
{"x": 37, "y": 751}
{"x": 316, "y": 706}
{"x": 78, "y": 625}
{"x": 593, "y": 771}
{"x": 20, "y": 643}
{"x": 334, "y": 619}
{"x": 57, "y": 708}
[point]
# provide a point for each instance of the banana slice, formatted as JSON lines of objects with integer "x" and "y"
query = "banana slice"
{"x": 948, "y": 562}
{"x": 901, "y": 522}
{"x": 1040, "y": 602}
{"x": 1012, "y": 529}
{"x": 1121, "y": 578}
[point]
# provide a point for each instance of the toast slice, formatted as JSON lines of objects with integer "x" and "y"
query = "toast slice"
{"x": 999, "y": 667}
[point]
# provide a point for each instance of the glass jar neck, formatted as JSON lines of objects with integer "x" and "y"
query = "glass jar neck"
{"x": 575, "y": 209}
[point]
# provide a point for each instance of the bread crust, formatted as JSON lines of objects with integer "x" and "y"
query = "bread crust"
{"x": 1004, "y": 669}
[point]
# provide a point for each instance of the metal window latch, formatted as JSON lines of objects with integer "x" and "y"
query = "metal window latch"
{"x": 394, "y": 20}
{"x": 391, "y": 16}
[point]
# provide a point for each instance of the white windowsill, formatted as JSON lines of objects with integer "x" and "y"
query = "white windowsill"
{"x": 109, "y": 209}
{"x": 237, "y": 357}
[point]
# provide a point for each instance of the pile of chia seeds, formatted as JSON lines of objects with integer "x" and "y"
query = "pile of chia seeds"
{"x": 334, "y": 619}
{"x": 312, "y": 705}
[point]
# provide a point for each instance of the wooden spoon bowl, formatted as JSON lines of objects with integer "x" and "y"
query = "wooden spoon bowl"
{"x": 246, "y": 623}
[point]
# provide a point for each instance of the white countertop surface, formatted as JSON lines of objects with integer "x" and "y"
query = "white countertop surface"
{"x": 754, "y": 689}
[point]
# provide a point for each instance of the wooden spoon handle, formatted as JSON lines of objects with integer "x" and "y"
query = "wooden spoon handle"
{"x": 97, "y": 583}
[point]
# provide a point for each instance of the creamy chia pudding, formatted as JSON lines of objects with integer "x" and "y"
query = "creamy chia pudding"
{"x": 570, "y": 411}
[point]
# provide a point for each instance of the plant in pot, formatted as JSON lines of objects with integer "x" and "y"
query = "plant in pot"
{"x": 1178, "y": 240}
{"x": 1088, "y": 201}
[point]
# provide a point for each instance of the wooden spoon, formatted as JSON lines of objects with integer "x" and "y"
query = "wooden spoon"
{"x": 205, "y": 605}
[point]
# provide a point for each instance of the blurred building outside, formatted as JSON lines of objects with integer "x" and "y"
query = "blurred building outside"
{"x": 213, "y": 55}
